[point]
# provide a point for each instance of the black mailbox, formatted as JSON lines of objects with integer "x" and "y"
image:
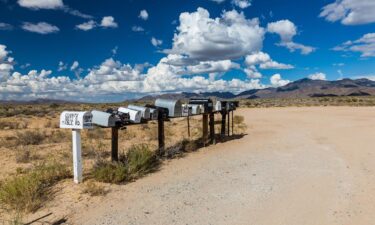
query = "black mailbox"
{"x": 207, "y": 104}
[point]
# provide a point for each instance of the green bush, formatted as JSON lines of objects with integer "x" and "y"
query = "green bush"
{"x": 27, "y": 192}
{"x": 110, "y": 172}
{"x": 33, "y": 137}
{"x": 138, "y": 161}
{"x": 141, "y": 160}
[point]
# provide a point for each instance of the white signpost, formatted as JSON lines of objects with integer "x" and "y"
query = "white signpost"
{"x": 76, "y": 121}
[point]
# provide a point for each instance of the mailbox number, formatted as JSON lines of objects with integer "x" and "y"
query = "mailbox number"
{"x": 72, "y": 119}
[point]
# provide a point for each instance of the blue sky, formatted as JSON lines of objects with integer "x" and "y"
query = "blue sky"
{"x": 118, "y": 49}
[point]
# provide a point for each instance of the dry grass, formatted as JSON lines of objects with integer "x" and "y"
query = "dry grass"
{"x": 94, "y": 189}
{"x": 27, "y": 192}
{"x": 30, "y": 137}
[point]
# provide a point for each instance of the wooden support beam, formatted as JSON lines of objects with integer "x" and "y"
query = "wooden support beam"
{"x": 205, "y": 128}
{"x": 161, "y": 136}
{"x": 114, "y": 152}
{"x": 188, "y": 123}
{"x": 232, "y": 123}
{"x": 223, "y": 122}
{"x": 212, "y": 128}
{"x": 228, "y": 123}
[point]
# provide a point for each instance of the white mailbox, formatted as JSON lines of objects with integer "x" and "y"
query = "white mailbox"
{"x": 195, "y": 109}
{"x": 145, "y": 112}
{"x": 134, "y": 115}
{"x": 174, "y": 106}
{"x": 76, "y": 120}
{"x": 186, "y": 110}
{"x": 218, "y": 106}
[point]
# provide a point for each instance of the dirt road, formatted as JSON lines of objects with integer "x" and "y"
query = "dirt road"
{"x": 294, "y": 166}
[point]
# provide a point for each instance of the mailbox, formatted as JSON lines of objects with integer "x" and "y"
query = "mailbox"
{"x": 218, "y": 106}
{"x": 154, "y": 114}
{"x": 76, "y": 120}
{"x": 174, "y": 106}
{"x": 145, "y": 112}
{"x": 186, "y": 110}
{"x": 206, "y": 104}
{"x": 104, "y": 119}
{"x": 196, "y": 109}
{"x": 134, "y": 115}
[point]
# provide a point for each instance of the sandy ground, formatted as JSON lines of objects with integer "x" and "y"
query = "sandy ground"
{"x": 294, "y": 166}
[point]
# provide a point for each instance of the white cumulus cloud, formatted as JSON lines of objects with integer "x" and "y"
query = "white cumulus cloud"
{"x": 317, "y": 76}
{"x": 364, "y": 45}
{"x": 41, "y": 4}
{"x": 40, "y": 28}
{"x": 156, "y": 42}
{"x": 203, "y": 38}
{"x": 350, "y": 12}
{"x": 143, "y": 14}
{"x": 242, "y": 3}
{"x": 287, "y": 30}
{"x": 108, "y": 21}
{"x": 265, "y": 62}
{"x": 86, "y": 26}
{"x": 277, "y": 81}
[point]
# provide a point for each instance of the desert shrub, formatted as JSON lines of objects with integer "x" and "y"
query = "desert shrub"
{"x": 27, "y": 192}
{"x": 13, "y": 125}
{"x": 58, "y": 136}
{"x": 140, "y": 160}
{"x": 23, "y": 155}
{"x": 110, "y": 172}
{"x": 238, "y": 119}
{"x": 30, "y": 137}
{"x": 94, "y": 189}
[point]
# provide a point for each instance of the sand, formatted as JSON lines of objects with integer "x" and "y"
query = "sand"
{"x": 294, "y": 166}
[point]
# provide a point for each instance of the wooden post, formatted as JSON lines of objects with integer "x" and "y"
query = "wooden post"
{"x": 205, "y": 128}
{"x": 161, "y": 136}
{"x": 232, "y": 123}
{"x": 223, "y": 122}
{"x": 228, "y": 123}
{"x": 212, "y": 128}
{"x": 115, "y": 144}
{"x": 77, "y": 158}
{"x": 188, "y": 123}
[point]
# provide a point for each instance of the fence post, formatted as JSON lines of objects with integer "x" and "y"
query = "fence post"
{"x": 161, "y": 137}
{"x": 205, "y": 128}
{"x": 232, "y": 123}
{"x": 223, "y": 122}
{"x": 77, "y": 158}
{"x": 212, "y": 128}
{"x": 114, "y": 144}
{"x": 228, "y": 123}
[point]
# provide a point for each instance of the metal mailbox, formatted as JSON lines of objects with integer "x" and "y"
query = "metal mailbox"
{"x": 145, "y": 112}
{"x": 76, "y": 120}
{"x": 134, "y": 115}
{"x": 206, "y": 104}
{"x": 196, "y": 109}
{"x": 154, "y": 114}
{"x": 104, "y": 119}
{"x": 218, "y": 106}
{"x": 186, "y": 110}
{"x": 174, "y": 106}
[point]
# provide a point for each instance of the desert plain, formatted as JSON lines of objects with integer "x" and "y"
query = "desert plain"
{"x": 293, "y": 165}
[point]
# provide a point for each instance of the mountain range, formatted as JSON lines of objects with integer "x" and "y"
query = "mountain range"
{"x": 303, "y": 88}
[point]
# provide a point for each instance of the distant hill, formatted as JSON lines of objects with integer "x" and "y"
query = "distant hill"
{"x": 298, "y": 89}
{"x": 303, "y": 88}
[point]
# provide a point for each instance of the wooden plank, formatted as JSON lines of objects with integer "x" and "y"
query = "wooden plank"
{"x": 205, "y": 128}
{"x": 212, "y": 128}
{"x": 114, "y": 152}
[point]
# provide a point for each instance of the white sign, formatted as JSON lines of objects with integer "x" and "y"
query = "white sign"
{"x": 76, "y": 120}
